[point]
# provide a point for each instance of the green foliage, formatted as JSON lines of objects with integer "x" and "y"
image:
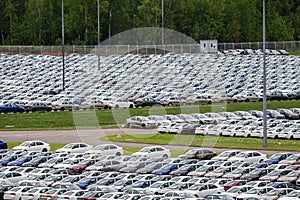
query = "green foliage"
{"x": 38, "y": 22}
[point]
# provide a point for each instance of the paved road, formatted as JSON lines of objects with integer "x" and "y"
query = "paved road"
{"x": 90, "y": 136}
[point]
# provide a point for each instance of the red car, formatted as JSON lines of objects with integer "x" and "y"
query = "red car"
{"x": 80, "y": 167}
{"x": 230, "y": 184}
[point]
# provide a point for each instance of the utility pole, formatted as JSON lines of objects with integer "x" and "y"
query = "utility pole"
{"x": 63, "y": 43}
{"x": 265, "y": 139}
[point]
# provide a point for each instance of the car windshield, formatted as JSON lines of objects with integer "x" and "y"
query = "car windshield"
{"x": 191, "y": 152}
{"x": 294, "y": 194}
{"x": 233, "y": 190}
{"x": 253, "y": 191}
{"x": 51, "y": 191}
{"x": 69, "y": 146}
{"x": 293, "y": 157}
{"x": 99, "y": 147}
{"x": 275, "y": 156}
{"x": 25, "y": 144}
{"x": 293, "y": 174}
{"x": 145, "y": 150}
{"x": 241, "y": 155}
{"x": 272, "y": 192}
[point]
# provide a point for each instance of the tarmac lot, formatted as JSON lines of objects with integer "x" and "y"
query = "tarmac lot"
{"x": 91, "y": 136}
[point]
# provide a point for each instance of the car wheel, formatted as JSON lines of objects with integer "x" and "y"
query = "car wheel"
{"x": 165, "y": 156}
{"x": 170, "y": 104}
{"x": 291, "y": 137}
{"x": 129, "y": 125}
{"x": 143, "y": 126}
{"x": 130, "y": 106}
{"x": 44, "y": 150}
{"x": 62, "y": 108}
{"x": 247, "y": 100}
{"x": 118, "y": 154}
{"x": 117, "y": 106}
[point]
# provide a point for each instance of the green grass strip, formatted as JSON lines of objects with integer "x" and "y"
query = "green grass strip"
{"x": 209, "y": 141}
{"x": 117, "y": 117}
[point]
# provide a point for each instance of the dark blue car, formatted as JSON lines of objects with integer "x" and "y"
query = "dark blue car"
{"x": 10, "y": 108}
{"x": 84, "y": 183}
{"x": 20, "y": 161}
{"x": 283, "y": 185}
{"x": 139, "y": 184}
{"x": 276, "y": 158}
{"x": 3, "y": 144}
{"x": 7, "y": 159}
{"x": 167, "y": 169}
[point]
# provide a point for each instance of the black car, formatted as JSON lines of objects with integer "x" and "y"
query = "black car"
{"x": 288, "y": 114}
{"x": 10, "y": 108}
{"x": 37, "y": 106}
{"x": 142, "y": 102}
{"x": 189, "y": 129}
{"x": 3, "y": 144}
{"x": 203, "y": 154}
{"x": 277, "y": 95}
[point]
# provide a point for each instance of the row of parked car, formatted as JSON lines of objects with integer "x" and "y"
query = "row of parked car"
{"x": 281, "y": 123}
{"x": 79, "y": 171}
{"x": 142, "y": 80}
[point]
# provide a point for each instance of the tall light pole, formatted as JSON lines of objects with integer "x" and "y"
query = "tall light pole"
{"x": 162, "y": 22}
{"x": 265, "y": 140}
{"x": 98, "y": 35}
{"x": 63, "y": 42}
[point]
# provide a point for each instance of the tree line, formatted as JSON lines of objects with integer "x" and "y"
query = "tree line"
{"x": 38, "y": 22}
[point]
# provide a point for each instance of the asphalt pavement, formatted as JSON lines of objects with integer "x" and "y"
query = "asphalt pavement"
{"x": 91, "y": 136}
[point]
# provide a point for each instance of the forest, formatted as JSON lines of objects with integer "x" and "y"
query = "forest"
{"x": 38, "y": 22}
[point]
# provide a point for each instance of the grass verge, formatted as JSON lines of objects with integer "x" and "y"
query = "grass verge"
{"x": 117, "y": 117}
{"x": 208, "y": 141}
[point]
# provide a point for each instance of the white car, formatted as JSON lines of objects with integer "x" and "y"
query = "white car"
{"x": 201, "y": 190}
{"x": 34, "y": 193}
{"x": 165, "y": 127}
{"x": 154, "y": 152}
{"x": 67, "y": 163}
{"x": 75, "y": 148}
{"x": 248, "y": 156}
{"x": 140, "y": 121}
{"x": 34, "y": 145}
{"x": 71, "y": 195}
{"x": 225, "y": 155}
{"x": 237, "y": 190}
{"x": 107, "y": 149}
{"x": 16, "y": 192}
{"x": 291, "y": 196}
{"x": 12, "y": 176}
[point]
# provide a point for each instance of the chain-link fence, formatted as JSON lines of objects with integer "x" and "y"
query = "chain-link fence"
{"x": 106, "y": 50}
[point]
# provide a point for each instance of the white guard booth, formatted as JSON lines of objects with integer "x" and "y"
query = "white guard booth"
{"x": 208, "y": 46}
